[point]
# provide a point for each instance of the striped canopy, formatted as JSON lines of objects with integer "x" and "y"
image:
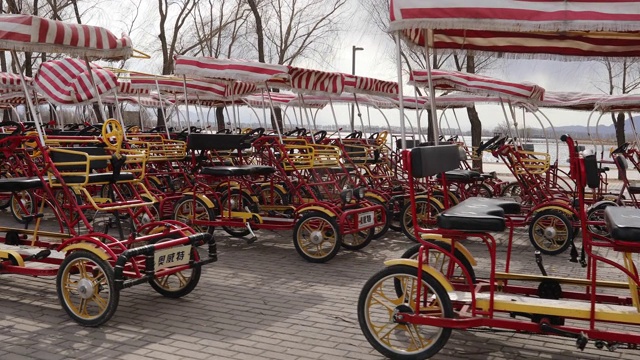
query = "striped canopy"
{"x": 371, "y": 86}
{"x": 32, "y": 33}
{"x": 571, "y": 100}
{"x": 13, "y": 82}
{"x": 261, "y": 74}
{"x": 204, "y": 87}
{"x": 617, "y": 103}
{"x": 67, "y": 81}
{"x": 478, "y": 84}
{"x": 228, "y": 69}
{"x": 532, "y": 28}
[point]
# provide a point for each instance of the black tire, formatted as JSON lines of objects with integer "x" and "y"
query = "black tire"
{"x": 479, "y": 190}
{"x": 437, "y": 263}
{"x": 372, "y": 312}
{"x": 73, "y": 271}
{"x": 311, "y": 232}
{"x": 27, "y": 198}
{"x": 167, "y": 287}
{"x": 239, "y": 200}
{"x": 272, "y": 195}
{"x": 597, "y": 214}
{"x": 5, "y": 197}
{"x": 359, "y": 240}
{"x": 188, "y": 208}
{"x": 551, "y": 232}
{"x": 512, "y": 190}
{"x": 380, "y": 231}
{"x": 395, "y": 212}
{"x": 5, "y": 200}
{"x": 427, "y": 213}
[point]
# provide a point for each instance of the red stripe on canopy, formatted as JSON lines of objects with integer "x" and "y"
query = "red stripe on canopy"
{"x": 538, "y": 28}
{"x": 472, "y": 83}
{"x": 228, "y": 69}
{"x": 32, "y": 33}
{"x": 67, "y": 81}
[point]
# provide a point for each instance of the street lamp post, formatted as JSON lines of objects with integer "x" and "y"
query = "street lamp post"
{"x": 353, "y": 72}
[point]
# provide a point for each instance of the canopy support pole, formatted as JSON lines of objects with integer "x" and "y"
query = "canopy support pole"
{"x": 403, "y": 141}
{"x": 32, "y": 108}
{"x": 186, "y": 103}
{"x": 432, "y": 95}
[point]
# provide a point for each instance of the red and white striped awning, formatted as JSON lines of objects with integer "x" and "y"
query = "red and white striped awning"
{"x": 32, "y": 33}
{"x": 370, "y": 86}
{"x": 228, "y": 69}
{"x": 615, "y": 103}
{"x": 175, "y": 85}
{"x": 478, "y": 84}
{"x": 10, "y": 82}
{"x": 262, "y": 100}
{"x": 317, "y": 82}
{"x": 537, "y": 28}
{"x": 67, "y": 81}
{"x": 571, "y": 100}
{"x": 17, "y": 98}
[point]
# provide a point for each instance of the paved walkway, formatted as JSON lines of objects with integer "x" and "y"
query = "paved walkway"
{"x": 259, "y": 301}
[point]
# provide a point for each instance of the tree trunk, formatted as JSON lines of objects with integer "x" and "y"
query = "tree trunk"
{"x": 430, "y": 135}
{"x": 474, "y": 119}
{"x": 220, "y": 117}
{"x": 619, "y": 124}
{"x": 476, "y": 134}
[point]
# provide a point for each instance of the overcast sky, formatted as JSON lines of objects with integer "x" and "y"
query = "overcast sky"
{"x": 377, "y": 60}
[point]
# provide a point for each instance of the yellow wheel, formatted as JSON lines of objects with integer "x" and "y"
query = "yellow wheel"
{"x": 316, "y": 237}
{"x": 551, "y": 232}
{"x": 113, "y": 134}
{"x": 86, "y": 288}
{"x": 188, "y": 209}
{"x": 178, "y": 284}
{"x": 381, "y": 139}
{"x": 427, "y": 212}
{"x": 22, "y": 204}
{"x": 380, "y": 309}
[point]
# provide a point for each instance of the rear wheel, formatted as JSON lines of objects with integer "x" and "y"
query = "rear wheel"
{"x": 316, "y": 237}
{"x": 178, "y": 284}
{"x": 597, "y": 214}
{"x": 380, "y": 231}
{"x": 22, "y": 204}
{"x": 440, "y": 261}
{"x": 479, "y": 190}
{"x": 86, "y": 288}
{"x": 427, "y": 211}
{"x": 551, "y": 232}
{"x": 379, "y": 305}
{"x": 239, "y": 201}
{"x": 190, "y": 208}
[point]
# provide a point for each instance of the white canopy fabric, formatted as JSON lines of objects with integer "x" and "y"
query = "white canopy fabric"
{"x": 68, "y": 81}
{"x": 32, "y": 33}
{"x": 478, "y": 84}
{"x": 531, "y": 28}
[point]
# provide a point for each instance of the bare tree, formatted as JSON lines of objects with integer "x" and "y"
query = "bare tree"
{"x": 296, "y": 29}
{"x": 622, "y": 78}
{"x": 378, "y": 11}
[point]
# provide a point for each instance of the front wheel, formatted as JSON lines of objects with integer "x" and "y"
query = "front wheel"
{"x": 189, "y": 209}
{"x": 426, "y": 213}
{"x": 379, "y": 302}
{"x": 86, "y": 288}
{"x": 380, "y": 231}
{"x": 22, "y": 205}
{"x": 551, "y": 232}
{"x": 597, "y": 214}
{"x": 316, "y": 237}
{"x": 178, "y": 284}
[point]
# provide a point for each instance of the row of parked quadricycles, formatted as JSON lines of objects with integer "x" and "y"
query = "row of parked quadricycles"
{"x": 409, "y": 309}
{"x": 163, "y": 195}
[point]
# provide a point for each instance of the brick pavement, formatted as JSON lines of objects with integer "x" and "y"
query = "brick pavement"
{"x": 259, "y": 301}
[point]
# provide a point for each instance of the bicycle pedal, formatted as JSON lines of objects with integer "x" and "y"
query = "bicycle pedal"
{"x": 251, "y": 240}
